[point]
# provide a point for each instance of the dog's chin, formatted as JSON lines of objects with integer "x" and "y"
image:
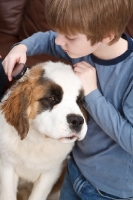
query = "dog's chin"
{"x": 69, "y": 139}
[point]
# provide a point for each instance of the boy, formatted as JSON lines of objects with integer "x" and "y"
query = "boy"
{"x": 89, "y": 35}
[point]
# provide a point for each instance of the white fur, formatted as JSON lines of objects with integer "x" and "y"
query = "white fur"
{"x": 38, "y": 158}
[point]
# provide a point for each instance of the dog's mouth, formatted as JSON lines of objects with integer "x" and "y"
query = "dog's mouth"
{"x": 69, "y": 139}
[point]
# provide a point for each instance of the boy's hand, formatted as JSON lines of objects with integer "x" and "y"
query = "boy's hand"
{"x": 16, "y": 55}
{"x": 87, "y": 74}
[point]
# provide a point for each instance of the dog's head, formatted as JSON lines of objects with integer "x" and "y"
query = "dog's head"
{"x": 49, "y": 99}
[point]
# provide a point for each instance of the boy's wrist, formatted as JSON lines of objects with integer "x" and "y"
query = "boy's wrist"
{"x": 21, "y": 46}
{"x": 88, "y": 91}
{"x": 92, "y": 96}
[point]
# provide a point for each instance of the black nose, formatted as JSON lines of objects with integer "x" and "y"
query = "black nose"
{"x": 75, "y": 122}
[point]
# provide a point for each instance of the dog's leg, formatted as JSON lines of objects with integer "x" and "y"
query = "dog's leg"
{"x": 43, "y": 185}
{"x": 8, "y": 182}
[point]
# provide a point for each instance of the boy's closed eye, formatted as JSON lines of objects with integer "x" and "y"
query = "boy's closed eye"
{"x": 70, "y": 38}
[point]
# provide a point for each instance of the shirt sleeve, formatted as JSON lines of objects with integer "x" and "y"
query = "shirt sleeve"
{"x": 44, "y": 43}
{"x": 119, "y": 127}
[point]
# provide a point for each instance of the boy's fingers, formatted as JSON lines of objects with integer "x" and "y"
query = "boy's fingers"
{"x": 8, "y": 69}
{"x": 9, "y": 76}
{"x": 8, "y": 72}
{"x": 78, "y": 69}
{"x": 4, "y": 66}
{"x": 82, "y": 64}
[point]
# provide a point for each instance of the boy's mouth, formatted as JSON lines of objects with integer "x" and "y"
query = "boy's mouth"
{"x": 65, "y": 50}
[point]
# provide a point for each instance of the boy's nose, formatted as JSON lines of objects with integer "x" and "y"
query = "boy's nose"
{"x": 60, "y": 40}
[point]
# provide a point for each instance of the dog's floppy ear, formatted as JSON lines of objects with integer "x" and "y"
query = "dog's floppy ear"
{"x": 15, "y": 109}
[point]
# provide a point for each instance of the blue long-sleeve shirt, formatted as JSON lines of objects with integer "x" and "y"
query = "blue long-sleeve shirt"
{"x": 105, "y": 156}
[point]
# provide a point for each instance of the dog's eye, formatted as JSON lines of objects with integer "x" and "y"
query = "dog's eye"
{"x": 52, "y": 98}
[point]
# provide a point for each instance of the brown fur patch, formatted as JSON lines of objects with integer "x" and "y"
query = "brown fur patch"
{"x": 22, "y": 102}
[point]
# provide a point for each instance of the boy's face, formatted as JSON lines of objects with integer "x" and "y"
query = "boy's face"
{"x": 77, "y": 46}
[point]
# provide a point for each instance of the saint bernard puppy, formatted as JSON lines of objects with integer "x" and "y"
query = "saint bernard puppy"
{"x": 41, "y": 117}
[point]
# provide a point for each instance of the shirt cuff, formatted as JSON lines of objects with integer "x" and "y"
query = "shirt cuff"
{"x": 91, "y": 97}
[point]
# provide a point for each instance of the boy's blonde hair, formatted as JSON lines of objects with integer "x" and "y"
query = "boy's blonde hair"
{"x": 96, "y": 19}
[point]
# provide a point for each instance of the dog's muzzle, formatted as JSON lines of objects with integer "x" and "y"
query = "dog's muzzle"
{"x": 75, "y": 123}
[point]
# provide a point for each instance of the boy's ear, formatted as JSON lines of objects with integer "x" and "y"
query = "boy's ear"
{"x": 107, "y": 39}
